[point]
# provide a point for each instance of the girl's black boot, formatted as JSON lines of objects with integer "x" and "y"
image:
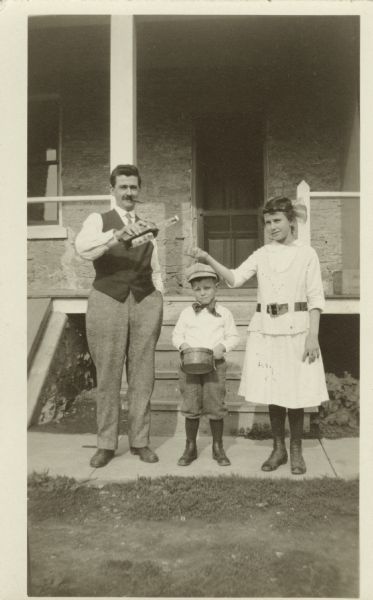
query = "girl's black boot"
{"x": 190, "y": 452}
{"x": 279, "y": 455}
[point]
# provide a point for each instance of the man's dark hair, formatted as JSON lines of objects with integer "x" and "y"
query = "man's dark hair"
{"x": 127, "y": 170}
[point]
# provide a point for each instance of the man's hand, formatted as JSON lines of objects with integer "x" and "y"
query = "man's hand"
{"x": 219, "y": 351}
{"x": 311, "y": 348}
{"x": 196, "y": 253}
{"x": 136, "y": 228}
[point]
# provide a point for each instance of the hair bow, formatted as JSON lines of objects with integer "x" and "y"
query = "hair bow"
{"x": 300, "y": 210}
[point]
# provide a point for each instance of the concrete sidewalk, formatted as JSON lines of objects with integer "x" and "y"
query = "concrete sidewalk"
{"x": 69, "y": 455}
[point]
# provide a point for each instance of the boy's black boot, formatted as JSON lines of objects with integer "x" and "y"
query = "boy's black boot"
{"x": 218, "y": 453}
{"x": 278, "y": 456}
{"x": 296, "y": 418}
{"x": 190, "y": 452}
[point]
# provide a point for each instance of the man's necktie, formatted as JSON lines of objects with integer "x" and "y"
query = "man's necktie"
{"x": 129, "y": 218}
{"x": 197, "y": 307}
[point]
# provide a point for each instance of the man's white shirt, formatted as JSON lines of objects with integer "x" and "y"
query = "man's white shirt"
{"x": 91, "y": 242}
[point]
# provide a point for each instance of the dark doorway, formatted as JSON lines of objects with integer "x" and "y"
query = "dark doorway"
{"x": 340, "y": 342}
{"x": 229, "y": 186}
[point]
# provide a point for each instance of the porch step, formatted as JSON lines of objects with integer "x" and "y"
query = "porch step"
{"x": 242, "y": 308}
{"x": 165, "y": 338}
{"x": 167, "y": 364}
{"x": 166, "y": 399}
{"x": 242, "y": 416}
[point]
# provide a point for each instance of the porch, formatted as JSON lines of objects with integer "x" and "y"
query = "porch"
{"x": 214, "y": 134}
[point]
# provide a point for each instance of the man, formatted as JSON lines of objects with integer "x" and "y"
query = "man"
{"x": 124, "y": 316}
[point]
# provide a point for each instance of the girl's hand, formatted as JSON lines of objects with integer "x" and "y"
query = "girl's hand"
{"x": 219, "y": 351}
{"x": 311, "y": 348}
{"x": 184, "y": 346}
{"x": 196, "y": 253}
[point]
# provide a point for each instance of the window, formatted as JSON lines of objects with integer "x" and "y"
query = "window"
{"x": 43, "y": 158}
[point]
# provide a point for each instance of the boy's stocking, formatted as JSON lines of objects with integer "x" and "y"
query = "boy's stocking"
{"x": 218, "y": 453}
{"x": 296, "y": 418}
{"x": 190, "y": 452}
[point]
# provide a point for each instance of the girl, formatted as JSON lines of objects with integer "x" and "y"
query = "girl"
{"x": 283, "y": 366}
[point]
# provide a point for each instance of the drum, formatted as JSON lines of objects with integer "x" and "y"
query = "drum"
{"x": 197, "y": 361}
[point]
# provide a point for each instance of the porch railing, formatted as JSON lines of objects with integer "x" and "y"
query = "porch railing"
{"x": 305, "y": 195}
{"x": 49, "y": 231}
{"x": 345, "y": 208}
{"x": 63, "y": 199}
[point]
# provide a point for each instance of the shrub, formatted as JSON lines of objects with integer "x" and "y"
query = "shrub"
{"x": 342, "y": 409}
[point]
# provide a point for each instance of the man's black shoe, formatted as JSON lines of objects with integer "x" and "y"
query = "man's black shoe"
{"x": 101, "y": 458}
{"x": 145, "y": 454}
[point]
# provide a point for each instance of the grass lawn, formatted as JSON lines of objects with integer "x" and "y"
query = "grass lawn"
{"x": 200, "y": 537}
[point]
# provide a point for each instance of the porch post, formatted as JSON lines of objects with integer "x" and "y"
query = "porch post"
{"x": 304, "y": 229}
{"x": 122, "y": 99}
{"x": 122, "y": 90}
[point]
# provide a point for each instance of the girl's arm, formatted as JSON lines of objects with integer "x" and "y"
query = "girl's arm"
{"x": 316, "y": 303}
{"x": 311, "y": 347}
{"x": 233, "y": 277}
{"x": 221, "y": 270}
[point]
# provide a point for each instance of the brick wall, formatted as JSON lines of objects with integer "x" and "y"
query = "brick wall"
{"x": 85, "y": 134}
{"x": 302, "y": 142}
{"x": 53, "y": 264}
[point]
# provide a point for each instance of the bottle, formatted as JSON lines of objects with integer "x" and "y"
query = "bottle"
{"x": 149, "y": 233}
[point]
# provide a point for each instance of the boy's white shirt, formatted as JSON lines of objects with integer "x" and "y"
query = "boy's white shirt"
{"x": 91, "y": 242}
{"x": 204, "y": 330}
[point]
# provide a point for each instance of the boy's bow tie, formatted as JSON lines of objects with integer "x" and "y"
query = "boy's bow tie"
{"x": 197, "y": 307}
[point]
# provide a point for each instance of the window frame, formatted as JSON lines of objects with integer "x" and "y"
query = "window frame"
{"x": 49, "y": 231}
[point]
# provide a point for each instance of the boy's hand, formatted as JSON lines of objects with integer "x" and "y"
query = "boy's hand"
{"x": 184, "y": 346}
{"x": 196, "y": 253}
{"x": 219, "y": 351}
{"x": 311, "y": 348}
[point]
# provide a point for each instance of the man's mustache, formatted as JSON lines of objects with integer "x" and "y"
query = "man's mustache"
{"x": 132, "y": 199}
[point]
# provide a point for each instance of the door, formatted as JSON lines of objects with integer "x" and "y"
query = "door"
{"x": 229, "y": 187}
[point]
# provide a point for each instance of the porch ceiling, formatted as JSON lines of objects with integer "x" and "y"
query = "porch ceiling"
{"x": 241, "y": 41}
{"x": 81, "y": 43}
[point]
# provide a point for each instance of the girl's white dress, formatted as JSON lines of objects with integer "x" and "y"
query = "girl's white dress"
{"x": 273, "y": 371}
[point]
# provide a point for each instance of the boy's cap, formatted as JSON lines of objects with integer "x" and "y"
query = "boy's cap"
{"x": 198, "y": 270}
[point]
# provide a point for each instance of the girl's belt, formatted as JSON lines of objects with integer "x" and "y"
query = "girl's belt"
{"x": 275, "y": 309}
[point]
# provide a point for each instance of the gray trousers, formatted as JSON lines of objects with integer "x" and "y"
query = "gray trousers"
{"x": 119, "y": 333}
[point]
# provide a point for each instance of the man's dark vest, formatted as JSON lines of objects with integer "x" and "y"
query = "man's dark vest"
{"x": 121, "y": 270}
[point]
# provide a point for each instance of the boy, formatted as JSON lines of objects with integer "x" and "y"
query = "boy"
{"x": 205, "y": 324}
